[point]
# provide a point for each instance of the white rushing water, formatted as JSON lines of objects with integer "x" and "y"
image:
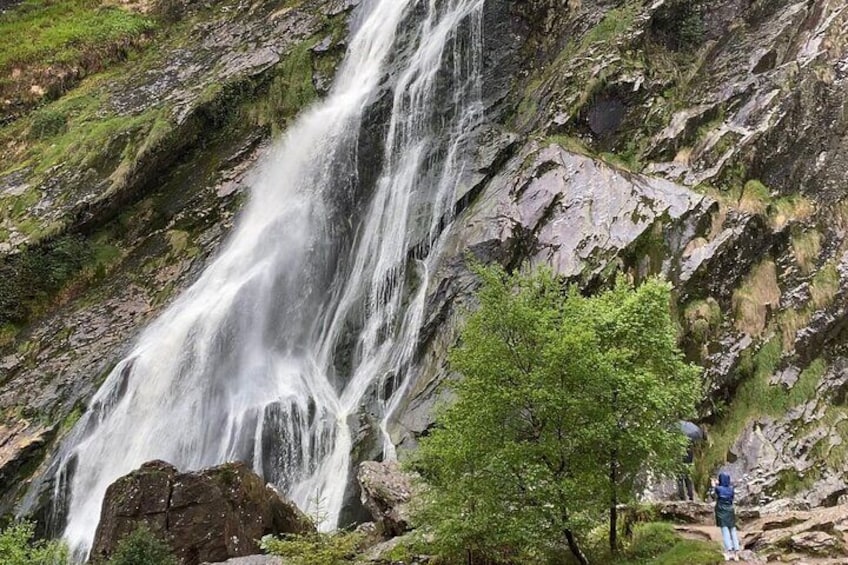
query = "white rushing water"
{"x": 313, "y": 307}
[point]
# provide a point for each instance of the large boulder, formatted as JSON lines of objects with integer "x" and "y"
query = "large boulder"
{"x": 205, "y": 516}
{"x": 385, "y": 492}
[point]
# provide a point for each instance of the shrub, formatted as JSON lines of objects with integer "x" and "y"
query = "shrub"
{"x": 142, "y": 547}
{"x": 18, "y": 547}
{"x": 679, "y": 24}
{"x": 650, "y": 540}
{"x": 315, "y": 549}
{"x": 47, "y": 123}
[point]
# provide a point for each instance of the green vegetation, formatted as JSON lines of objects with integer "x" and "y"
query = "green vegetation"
{"x": 823, "y": 288}
{"x": 754, "y": 198}
{"x": 70, "y": 32}
{"x": 290, "y": 91}
{"x": 18, "y": 547}
{"x": 754, "y": 398}
{"x": 751, "y": 302}
{"x": 316, "y": 549}
{"x": 702, "y": 319}
{"x": 563, "y": 400}
{"x": 656, "y": 543}
{"x": 806, "y": 247}
{"x": 142, "y": 547}
{"x": 603, "y": 35}
{"x": 679, "y": 24}
{"x": 825, "y": 285}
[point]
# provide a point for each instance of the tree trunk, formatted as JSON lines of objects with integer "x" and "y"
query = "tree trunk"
{"x": 575, "y": 549}
{"x": 613, "y": 509}
{"x": 613, "y": 478}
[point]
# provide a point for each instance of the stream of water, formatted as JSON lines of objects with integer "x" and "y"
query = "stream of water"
{"x": 312, "y": 308}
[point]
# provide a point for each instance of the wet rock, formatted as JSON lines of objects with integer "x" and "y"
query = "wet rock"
{"x": 209, "y": 515}
{"x": 386, "y": 490}
{"x": 21, "y": 449}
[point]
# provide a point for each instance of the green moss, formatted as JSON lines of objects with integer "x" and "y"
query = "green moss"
{"x": 290, "y": 91}
{"x": 8, "y": 333}
{"x": 71, "y": 419}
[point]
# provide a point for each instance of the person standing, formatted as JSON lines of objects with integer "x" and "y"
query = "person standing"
{"x": 725, "y": 515}
{"x": 694, "y": 433}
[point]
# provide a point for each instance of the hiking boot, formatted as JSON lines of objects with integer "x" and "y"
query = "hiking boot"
{"x": 736, "y": 556}
{"x": 727, "y": 556}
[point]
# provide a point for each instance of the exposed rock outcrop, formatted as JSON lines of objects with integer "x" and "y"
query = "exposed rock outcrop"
{"x": 386, "y": 492}
{"x": 205, "y": 516}
{"x": 821, "y": 533}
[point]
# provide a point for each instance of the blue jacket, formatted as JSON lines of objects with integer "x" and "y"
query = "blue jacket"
{"x": 724, "y": 492}
{"x": 724, "y": 513}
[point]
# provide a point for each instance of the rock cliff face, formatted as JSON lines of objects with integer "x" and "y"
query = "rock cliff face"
{"x": 706, "y": 142}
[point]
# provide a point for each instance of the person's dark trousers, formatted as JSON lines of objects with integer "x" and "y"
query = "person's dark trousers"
{"x": 685, "y": 488}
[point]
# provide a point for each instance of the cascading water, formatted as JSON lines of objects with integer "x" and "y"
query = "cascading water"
{"x": 317, "y": 299}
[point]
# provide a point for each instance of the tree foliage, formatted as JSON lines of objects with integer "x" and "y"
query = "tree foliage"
{"x": 18, "y": 547}
{"x": 564, "y": 401}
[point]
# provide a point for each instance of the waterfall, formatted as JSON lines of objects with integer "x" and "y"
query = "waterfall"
{"x": 313, "y": 306}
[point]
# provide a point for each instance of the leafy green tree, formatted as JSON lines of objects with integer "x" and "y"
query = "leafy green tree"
{"x": 563, "y": 400}
{"x": 142, "y": 547}
{"x": 18, "y": 547}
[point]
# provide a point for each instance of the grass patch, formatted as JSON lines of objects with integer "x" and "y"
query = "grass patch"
{"x": 751, "y": 302}
{"x": 51, "y": 273}
{"x": 70, "y": 32}
{"x": 702, "y": 319}
{"x": 614, "y": 23}
{"x": 656, "y": 543}
{"x": 570, "y": 143}
{"x": 788, "y": 208}
{"x": 755, "y": 197}
{"x": 824, "y": 286}
{"x": 806, "y": 247}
